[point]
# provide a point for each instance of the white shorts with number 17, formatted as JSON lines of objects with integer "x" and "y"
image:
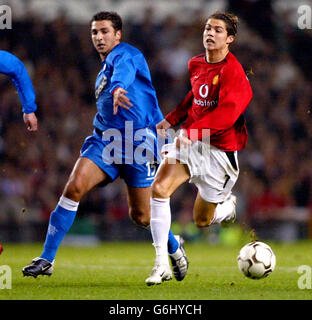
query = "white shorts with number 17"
{"x": 210, "y": 168}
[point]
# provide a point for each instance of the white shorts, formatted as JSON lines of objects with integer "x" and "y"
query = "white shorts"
{"x": 210, "y": 168}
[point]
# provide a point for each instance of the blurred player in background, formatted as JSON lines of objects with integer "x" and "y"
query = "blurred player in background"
{"x": 213, "y": 131}
{"x": 124, "y": 95}
{"x": 11, "y": 66}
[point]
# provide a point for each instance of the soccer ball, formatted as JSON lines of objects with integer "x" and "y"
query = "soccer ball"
{"x": 256, "y": 260}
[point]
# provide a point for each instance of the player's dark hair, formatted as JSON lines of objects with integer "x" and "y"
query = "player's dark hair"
{"x": 230, "y": 20}
{"x": 111, "y": 16}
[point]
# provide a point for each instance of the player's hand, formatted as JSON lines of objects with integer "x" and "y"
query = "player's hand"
{"x": 161, "y": 128}
{"x": 120, "y": 100}
{"x": 183, "y": 141}
{"x": 31, "y": 121}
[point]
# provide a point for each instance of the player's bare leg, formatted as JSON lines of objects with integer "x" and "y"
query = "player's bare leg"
{"x": 139, "y": 205}
{"x": 206, "y": 213}
{"x": 168, "y": 178}
{"x": 203, "y": 212}
{"x": 85, "y": 175}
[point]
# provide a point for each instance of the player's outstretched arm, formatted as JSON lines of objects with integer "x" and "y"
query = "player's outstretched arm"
{"x": 13, "y": 67}
{"x": 31, "y": 121}
{"x": 120, "y": 100}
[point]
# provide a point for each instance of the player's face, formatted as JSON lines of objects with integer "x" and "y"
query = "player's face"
{"x": 215, "y": 36}
{"x": 104, "y": 37}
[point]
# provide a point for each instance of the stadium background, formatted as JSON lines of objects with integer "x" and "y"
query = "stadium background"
{"x": 52, "y": 38}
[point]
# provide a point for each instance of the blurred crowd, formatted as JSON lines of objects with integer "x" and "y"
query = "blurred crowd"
{"x": 275, "y": 168}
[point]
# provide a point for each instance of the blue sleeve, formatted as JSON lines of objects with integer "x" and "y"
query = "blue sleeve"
{"x": 124, "y": 72}
{"x": 15, "y": 69}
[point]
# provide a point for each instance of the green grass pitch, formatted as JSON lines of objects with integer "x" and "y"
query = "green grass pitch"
{"x": 117, "y": 271}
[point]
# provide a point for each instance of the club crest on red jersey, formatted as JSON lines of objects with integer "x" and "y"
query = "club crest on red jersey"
{"x": 215, "y": 80}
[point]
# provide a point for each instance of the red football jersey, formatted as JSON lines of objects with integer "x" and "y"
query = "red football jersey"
{"x": 220, "y": 94}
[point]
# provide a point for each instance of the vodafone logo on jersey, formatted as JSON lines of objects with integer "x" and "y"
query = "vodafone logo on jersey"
{"x": 204, "y": 90}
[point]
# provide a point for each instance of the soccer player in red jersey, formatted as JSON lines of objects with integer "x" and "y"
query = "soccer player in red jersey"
{"x": 213, "y": 130}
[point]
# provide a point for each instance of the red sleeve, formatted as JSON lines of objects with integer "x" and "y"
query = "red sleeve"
{"x": 234, "y": 96}
{"x": 179, "y": 114}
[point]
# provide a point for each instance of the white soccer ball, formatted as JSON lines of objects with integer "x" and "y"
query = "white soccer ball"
{"x": 256, "y": 260}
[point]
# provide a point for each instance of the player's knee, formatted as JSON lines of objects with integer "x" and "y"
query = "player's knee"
{"x": 159, "y": 190}
{"x": 202, "y": 222}
{"x": 203, "y": 214}
{"x": 140, "y": 216}
{"x": 74, "y": 189}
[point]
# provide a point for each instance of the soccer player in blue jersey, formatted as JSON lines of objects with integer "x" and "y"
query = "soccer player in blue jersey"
{"x": 125, "y": 97}
{"x": 13, "y": 67}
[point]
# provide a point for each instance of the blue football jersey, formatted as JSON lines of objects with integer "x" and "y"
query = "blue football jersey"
{"x": 11, "y": 66}
{"x": 126, "y": 67}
